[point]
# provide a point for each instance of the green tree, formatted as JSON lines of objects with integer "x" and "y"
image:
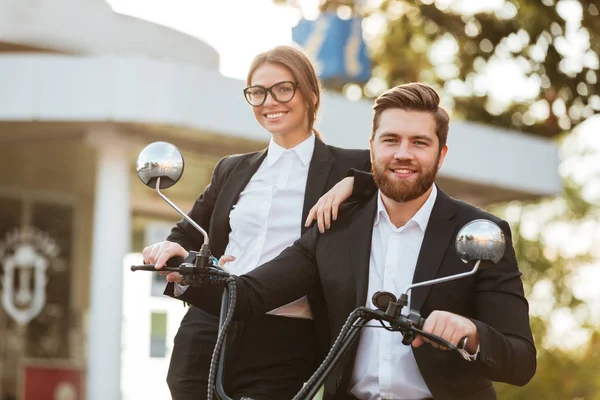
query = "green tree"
{"x": 560, "y": 58}
{"x": 547, "y": 263}
{"x": 562, "y": 375}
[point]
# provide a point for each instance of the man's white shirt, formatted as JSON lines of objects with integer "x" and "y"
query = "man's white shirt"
{"x": 384, "y": 367}
{"x": 266, "y": 220}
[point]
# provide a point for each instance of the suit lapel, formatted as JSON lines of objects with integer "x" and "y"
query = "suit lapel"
{"x": 316, "y": 181}
{"x": 359, "y": 245}
{"x": 440, "y": 230}
{"x": 235, "y": 183}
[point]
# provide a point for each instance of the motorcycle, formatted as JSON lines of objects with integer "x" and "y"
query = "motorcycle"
{"x": 481, "y": 242}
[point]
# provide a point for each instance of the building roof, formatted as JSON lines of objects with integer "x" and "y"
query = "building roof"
{"x": 92, "y": 27}
{"x": 165, "y": 99}
{"x": 158, "y": 82}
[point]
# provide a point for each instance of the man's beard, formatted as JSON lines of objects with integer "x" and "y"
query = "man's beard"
{"x": 403, "y": 190}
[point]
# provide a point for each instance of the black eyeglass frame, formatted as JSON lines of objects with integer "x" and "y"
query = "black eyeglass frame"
{"x": 270, "y": 90}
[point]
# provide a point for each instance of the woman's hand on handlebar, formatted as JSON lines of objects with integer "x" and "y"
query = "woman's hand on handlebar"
{"x": 159, "y": 253}
{"x": 327, "y": 207}
{"x": 451, "y": 327}
{"x": 224, "y": 260}
{"x": 175, "y": 277}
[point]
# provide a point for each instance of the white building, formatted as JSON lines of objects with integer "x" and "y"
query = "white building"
{"x": 83, "y": 90}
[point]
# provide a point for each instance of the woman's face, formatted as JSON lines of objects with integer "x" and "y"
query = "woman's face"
{"x": 287, "y": 121}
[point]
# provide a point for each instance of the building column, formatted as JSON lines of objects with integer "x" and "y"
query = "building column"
{"x": 110, "y": 243}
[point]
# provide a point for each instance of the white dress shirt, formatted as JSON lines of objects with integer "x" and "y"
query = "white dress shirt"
{"x": 385, "y": 368}
{"x": 268, "y": 215}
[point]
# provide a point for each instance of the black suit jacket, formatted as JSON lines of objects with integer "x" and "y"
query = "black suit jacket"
{"x": 211, "y": 210}
{"x": 337, "y": 263}
{"x": 328, "y": 166}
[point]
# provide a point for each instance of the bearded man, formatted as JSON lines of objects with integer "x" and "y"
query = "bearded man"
{"x": 403, "y": 234}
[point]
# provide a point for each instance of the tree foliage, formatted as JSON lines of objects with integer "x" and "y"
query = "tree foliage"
{"x": 559, "y": 58}
{"x": 556, "y": 46}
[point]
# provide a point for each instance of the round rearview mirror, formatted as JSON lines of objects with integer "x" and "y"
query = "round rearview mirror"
{"x": 160, "y": 160}
{"x": 480, "y": 239}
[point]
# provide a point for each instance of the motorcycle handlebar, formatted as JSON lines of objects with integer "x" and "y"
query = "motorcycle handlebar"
{"x": 196, "y": 269}
{"x": 152, "y": 267}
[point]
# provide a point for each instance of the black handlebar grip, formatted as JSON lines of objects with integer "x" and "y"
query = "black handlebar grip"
{"x": 174, "y": 262}
{"x": 152, "y": 268}
{"x": 145, "y": 267}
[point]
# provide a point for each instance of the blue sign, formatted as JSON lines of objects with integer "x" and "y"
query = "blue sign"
{"x": 336, "y": 46}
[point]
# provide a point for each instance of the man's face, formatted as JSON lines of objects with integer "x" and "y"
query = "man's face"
{"x": 405, "y": 154}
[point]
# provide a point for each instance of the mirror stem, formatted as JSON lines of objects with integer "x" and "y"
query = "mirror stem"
{"x": 184, "y": 215}
{"x": 404, "y": 297}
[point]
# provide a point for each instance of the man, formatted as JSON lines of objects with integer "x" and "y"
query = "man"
{"x": 403, "y": 234}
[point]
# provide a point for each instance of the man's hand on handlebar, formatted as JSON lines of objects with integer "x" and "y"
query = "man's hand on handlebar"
{"x": 159, "y": 253}
{"x": 451, "y": 327}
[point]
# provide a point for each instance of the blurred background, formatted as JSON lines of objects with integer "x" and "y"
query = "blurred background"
{"x": 86, "y": 84}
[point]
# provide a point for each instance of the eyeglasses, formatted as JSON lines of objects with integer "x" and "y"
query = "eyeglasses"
{"x": 282, "y": 92}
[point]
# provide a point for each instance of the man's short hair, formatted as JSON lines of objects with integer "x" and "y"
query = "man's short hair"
{"x": 413, "y": 97}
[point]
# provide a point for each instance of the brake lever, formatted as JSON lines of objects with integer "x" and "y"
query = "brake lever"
{"x": 443, "y": 342}
{"x": 173, "y": 264}
{"x": 192, "y": 274}
{"x": 435, "y": 338}
{"x": 152, "y": 267}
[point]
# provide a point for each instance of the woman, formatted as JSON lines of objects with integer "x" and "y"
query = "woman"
{"x": 253, "y": 208}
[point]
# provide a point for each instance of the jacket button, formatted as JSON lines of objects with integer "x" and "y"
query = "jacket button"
{"x": 368, "y": 192}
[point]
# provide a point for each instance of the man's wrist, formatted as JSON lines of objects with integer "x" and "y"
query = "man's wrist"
{"x": 472, "y": 346}
{"x": 467, "y": 351}
{"x": 474, "y": 356}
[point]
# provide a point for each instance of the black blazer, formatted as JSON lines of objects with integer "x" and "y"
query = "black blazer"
{"x": 211, "y": 210}
{"x": 327, "y": 167}
{"x": 337, "y": 263}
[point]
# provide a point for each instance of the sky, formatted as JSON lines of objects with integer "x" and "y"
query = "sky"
{"x": 240, "y": 29}
{"x": 262, "y": 24}
{"x": 258, "y": 25}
